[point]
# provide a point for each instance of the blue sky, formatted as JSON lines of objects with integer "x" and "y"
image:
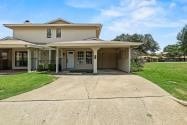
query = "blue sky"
{"x": 162, "y": 18}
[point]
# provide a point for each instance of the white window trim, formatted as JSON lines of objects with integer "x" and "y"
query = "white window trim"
{"x": 50, "y": 33}
{"x": 83, "y": 58}
{"x": 60, "y": 32}
{"x": 89, "y": 57}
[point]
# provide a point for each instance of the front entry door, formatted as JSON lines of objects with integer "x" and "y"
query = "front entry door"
{"x": 70, "y": 59}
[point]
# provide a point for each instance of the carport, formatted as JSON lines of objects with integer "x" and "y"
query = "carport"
{"x": 94, "y": 54}
{"x": 114, "y": 58}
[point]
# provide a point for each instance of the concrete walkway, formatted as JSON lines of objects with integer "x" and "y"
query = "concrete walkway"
{"x": 94, "y": 100}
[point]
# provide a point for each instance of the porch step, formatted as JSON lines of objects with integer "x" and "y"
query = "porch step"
{"x": 71, "y": 73}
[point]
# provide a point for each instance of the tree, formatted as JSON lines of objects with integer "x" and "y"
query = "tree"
{"x": 182, "y": 38}
{"x": 149, "y": 44}
{"x": 173, "y": 50}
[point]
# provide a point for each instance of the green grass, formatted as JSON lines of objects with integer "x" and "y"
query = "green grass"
{"x": 170, "y": 76}
{"x": 11, "y": 85}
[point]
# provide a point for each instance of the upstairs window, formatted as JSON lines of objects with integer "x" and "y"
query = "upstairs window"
{"x": 49, "y": 33}
{"x": 58, "y": 33}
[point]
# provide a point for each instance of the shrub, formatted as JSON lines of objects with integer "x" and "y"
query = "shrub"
{"x": 136, "y": 64}
{"x": 45, "y": 66}
{"x": 51, "y": 67}
{"x": 40, "y": 67}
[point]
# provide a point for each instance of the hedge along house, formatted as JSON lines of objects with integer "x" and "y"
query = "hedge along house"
{"x": 67, "y": 46}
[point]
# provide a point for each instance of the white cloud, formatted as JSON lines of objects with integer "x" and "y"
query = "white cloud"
{"x": 141, "y": 16}
{"x": 3, "y": 30}
{"x": 128, "y": 14}
{"x": 143, "y": 13}
{"x": 133, "y": 4}
{"x": 166, "y": 23}
{"x": 111, "y": 13}
{"x": 136, "y": 16}
{"x": 172, "y": 5}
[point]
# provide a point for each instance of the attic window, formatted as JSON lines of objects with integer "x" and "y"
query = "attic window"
{"x": 48, "y": 33}
{"x": 58, "y": 33}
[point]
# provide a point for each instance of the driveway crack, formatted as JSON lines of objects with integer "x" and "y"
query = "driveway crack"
{"x": 148, "y": 114}
{"x": 88, "y": 95}
{"x": 83, "y": 99}
{"x": 86, "y": 88}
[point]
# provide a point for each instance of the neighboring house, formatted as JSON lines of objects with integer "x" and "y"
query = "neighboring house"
{"x": 149, "y": 58}
{"x": 69, "y": 46}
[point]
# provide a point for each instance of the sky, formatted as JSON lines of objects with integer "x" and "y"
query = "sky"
{"x": 161, "y": 18}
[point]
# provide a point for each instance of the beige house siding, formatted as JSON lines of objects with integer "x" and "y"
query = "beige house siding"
{"x": 123, "y": 59}
{"x": 39, "y": 34}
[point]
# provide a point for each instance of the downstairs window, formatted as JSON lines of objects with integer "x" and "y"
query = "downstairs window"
{"x": 80, "y": 57}
{"x": 88, "y": 57}
{"x": 21, "y": 58}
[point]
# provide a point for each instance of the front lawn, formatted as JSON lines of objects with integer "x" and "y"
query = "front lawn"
{"x": 170, "y": 76}
{"x": 11, "y": 85}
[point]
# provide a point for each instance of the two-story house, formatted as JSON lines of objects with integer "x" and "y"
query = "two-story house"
{"x": 69, "y": 46}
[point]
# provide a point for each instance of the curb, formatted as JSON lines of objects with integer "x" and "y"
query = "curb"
{"x": 179, "y": 101}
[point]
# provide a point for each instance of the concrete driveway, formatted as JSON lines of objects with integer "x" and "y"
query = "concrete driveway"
{"x": 94, "y": 100}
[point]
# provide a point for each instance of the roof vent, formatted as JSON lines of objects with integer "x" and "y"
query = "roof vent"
{"x": 27, "y": 22}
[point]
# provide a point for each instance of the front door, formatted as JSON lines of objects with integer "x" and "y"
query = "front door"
{"x": 70, "y": 59}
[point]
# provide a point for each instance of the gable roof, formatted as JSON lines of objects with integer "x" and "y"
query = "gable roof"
{"x": 59, "y": 21}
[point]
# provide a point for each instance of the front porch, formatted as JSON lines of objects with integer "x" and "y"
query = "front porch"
{"x": 92, "y": 59}
{"x": 65, "y": 59}
{"x": 89, "y": 55}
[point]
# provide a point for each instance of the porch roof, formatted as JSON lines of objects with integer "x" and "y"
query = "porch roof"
{"x": 15, "y": 43}
{"x": 94, "y": 43}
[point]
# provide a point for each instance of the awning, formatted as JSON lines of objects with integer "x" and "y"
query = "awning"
{"x": 93, "y": 43}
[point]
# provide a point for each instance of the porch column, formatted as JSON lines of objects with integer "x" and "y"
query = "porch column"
{"x": 95, "y": 60}
{"x": 129, "y": 70}
{"x": 57, "y": 60}
{"x": 49, "y": 56}
{"x": 29, "y": 59}
{"x": 37, "y": 54}
{"x": 62, "y": 58}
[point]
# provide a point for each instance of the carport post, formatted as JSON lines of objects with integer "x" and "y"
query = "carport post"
{"x": 95, "y": 60}
{"x": 129, "y": 60}
{"x": 57, "y": 60}
{"x": 29, "y": 59}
